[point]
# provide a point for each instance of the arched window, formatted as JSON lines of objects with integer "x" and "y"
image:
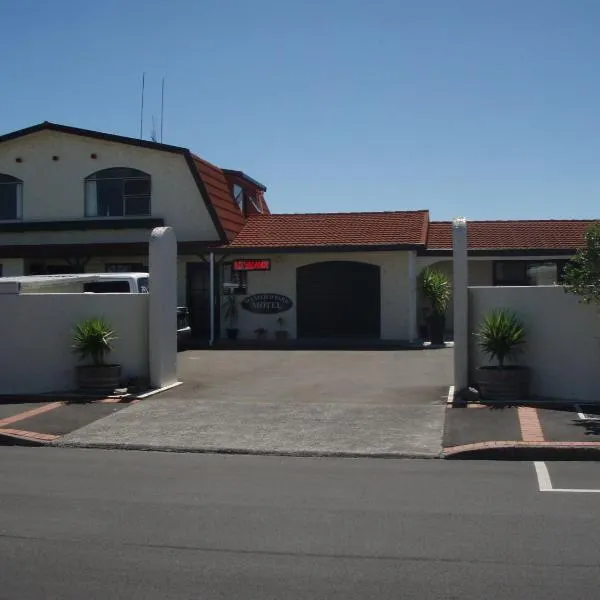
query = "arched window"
{"x": 117, "y": 192}
{"x": 11, "y": 198}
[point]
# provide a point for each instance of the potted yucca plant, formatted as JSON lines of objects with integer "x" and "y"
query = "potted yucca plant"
{"x": 437, "y": 291}
{"x": 501, "y": 337}
{"x": 93, "y": 340}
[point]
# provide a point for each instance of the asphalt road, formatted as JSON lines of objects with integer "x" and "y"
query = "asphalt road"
{"x": 115, "y": 524}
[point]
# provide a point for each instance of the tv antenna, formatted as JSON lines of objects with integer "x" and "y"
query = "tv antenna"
{"x": 142, "y": 107}
{"x": 153, "y": 134}
{"x": 162, "y": 109}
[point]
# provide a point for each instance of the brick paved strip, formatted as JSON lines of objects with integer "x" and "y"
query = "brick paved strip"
{"x": 33, "y": 435}
{"x": 519, "y": 450}
{"x": 30, "y": 413}
{"x": 531, "y": 430}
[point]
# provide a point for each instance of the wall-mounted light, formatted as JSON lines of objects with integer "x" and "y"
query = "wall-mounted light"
{"x": 55, "y": 157}
{"x": 18, "y": 159}
{"x": 94, "y": 156}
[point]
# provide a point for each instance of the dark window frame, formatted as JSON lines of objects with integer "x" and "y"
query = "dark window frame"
{"x": 126, "y": 176}
{"x": 107, "y": 287}
{"x": 7, "y": 181}
{"x": 524, "y": 281}
{"x": 240, "y": 277}
{"x": 125, "y": 267}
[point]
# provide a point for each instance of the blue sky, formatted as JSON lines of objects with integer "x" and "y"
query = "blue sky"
{"x": 466, "y": 107}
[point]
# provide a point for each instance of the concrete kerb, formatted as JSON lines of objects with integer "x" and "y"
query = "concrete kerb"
{"x": 242, "y": 451}
{"x": 525, "y": 451}
{"x": 9, "y": 438}
{"x": 158, "y": 391}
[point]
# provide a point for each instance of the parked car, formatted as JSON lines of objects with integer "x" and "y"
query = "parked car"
{"x": 98, "y": 283}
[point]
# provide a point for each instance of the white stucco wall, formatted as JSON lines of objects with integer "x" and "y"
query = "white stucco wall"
{"x": 282, "y": 280}
{"x": 35, "y": 353}
{"x": 54, "y": 190}
{"x": 563, "y": 338}
{"x": 480, "y": 273}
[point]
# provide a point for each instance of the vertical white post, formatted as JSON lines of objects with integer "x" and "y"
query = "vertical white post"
{"x": 412, "y": 297}
{"x": 460, "y": 270}
{"x": 162, "y": 326}
{"x": 212, "y": 298}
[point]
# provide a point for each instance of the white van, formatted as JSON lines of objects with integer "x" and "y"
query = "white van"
{"x": 96, "y": 283}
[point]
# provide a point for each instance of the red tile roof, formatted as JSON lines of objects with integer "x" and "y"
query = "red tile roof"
{"x": 373, "y": 229}
{"x": 228, "y": 213}
{"x": 512, "y": 235}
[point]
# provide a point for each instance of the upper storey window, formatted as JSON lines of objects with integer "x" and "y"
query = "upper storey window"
{"x": 117, "y": 192}
{"x": 11, "y": 198}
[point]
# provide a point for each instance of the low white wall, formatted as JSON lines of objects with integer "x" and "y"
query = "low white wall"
{"x": 36, "y": 338}
{"x": 563, "y": 338}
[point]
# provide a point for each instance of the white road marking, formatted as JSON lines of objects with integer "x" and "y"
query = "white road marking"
{"x": 543, "y": 476}
{"x": 159, "y": 390}
{"x": 573, "y": 491}
{"x": 545, "y": 483}
{"x": 450, "y": 398}
{"x": 583, "y": 416}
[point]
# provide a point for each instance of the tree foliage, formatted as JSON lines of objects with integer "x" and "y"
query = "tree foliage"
{"x": 582, "y": 272}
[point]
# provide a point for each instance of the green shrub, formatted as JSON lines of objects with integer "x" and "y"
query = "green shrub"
{"x": 436, "y": 288}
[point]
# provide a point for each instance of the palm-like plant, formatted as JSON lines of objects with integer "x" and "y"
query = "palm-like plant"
{"x": 436, "y": 289}
{"x": 501, "y": 336}
{"x": 93, "y": 339}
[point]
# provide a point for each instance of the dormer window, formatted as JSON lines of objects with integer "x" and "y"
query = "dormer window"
{"x": 238, "y": 195}
{"x": 11, "y": 198}
{"x": 117, "y": 192}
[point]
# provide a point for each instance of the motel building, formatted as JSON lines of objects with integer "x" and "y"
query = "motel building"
{"x": 76, "y": 201}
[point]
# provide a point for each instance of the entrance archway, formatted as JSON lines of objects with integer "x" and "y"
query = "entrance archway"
{"x": 338, "y": 299}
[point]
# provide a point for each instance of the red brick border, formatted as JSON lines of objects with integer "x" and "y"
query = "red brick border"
{"x": 30, "y": 413}
{"x": 531, "y": 429}
{"x": 28, "y": 435}
{"x": 525, "y": 450}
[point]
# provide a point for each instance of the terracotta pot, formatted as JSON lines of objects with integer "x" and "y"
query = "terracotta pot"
{"x": 510, "y": 383}
{"x": 101, "y": 377}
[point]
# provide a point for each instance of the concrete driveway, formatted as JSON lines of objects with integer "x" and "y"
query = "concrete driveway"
{"x": 305, "y": 402}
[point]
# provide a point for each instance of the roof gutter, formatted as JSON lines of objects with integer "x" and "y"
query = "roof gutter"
{"x": 315, "y": 249}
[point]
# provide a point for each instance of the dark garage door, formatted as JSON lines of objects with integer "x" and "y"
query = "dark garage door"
{"x": 338, "y": 299}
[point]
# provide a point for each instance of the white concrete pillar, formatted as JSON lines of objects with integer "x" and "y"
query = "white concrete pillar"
{"x": 460, "y": 268}
{"x": 412, "y": 296}
{"x": 162, "y": 326}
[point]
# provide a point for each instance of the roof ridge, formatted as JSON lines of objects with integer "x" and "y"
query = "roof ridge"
{"x": 206, "y": 162}
{"x": 518, "y": 221}
{"x": 326, "y": 214}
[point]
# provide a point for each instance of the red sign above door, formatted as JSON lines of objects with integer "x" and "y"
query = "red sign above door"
{"x": 252, "y": 264}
